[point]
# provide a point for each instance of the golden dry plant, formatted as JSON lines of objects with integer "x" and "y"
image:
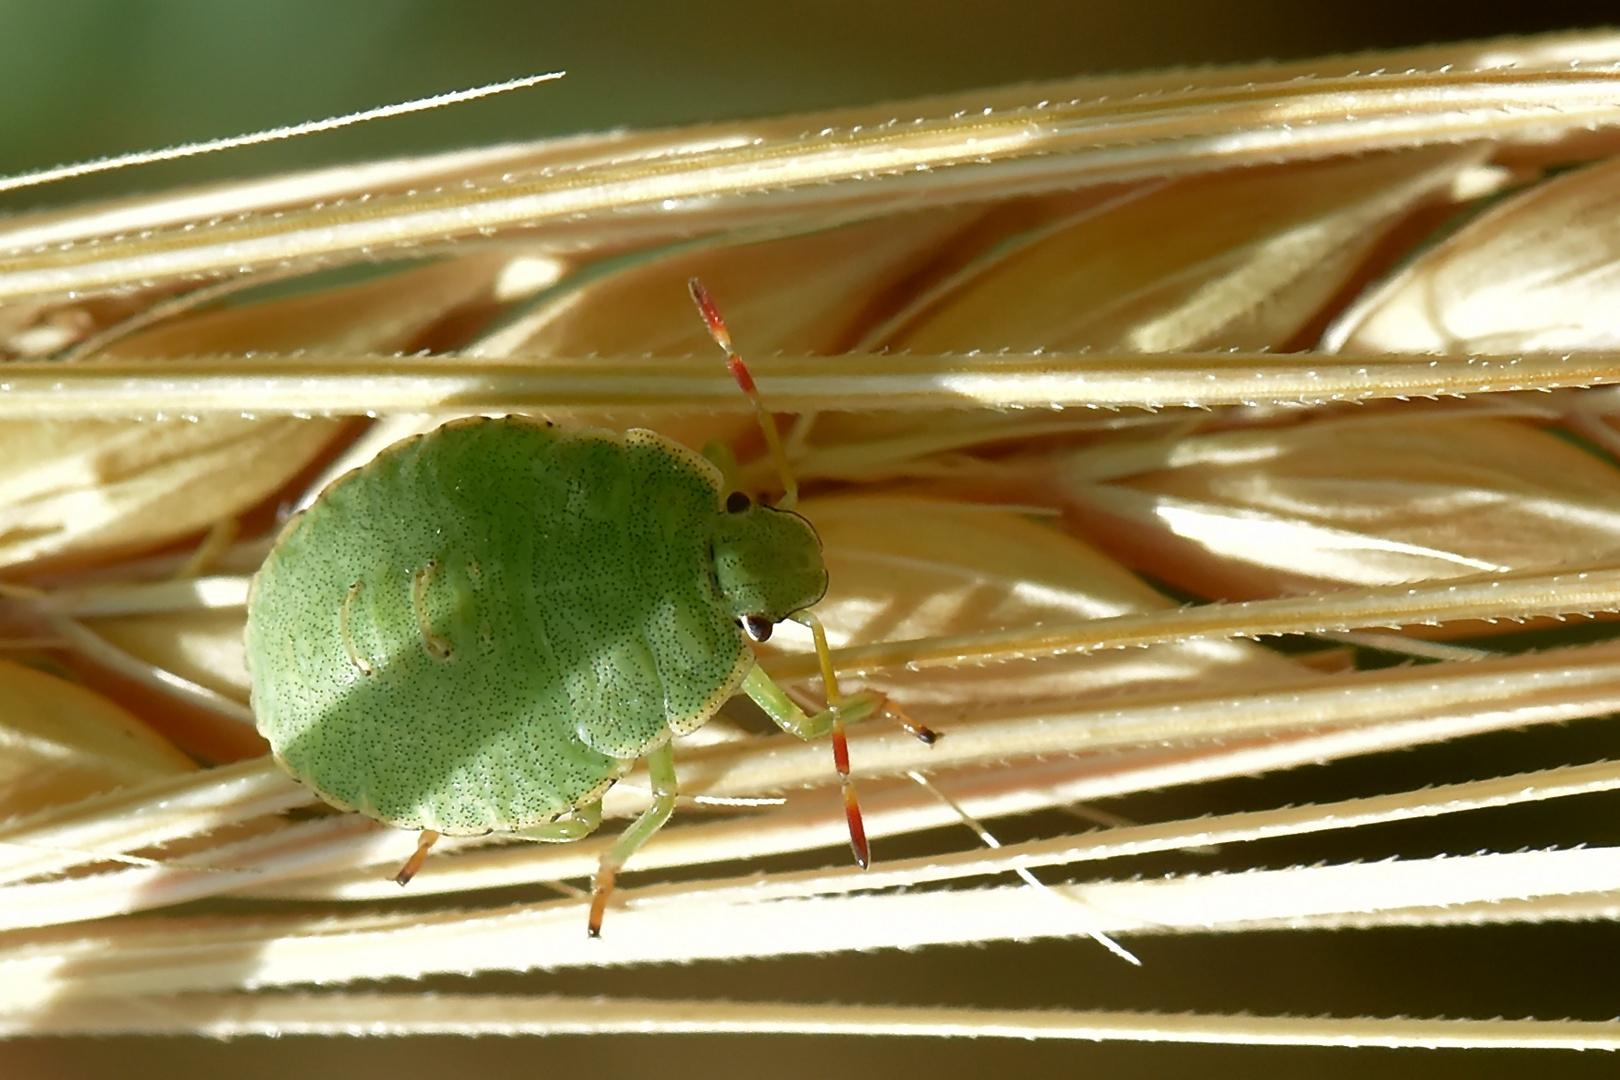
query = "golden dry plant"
{"x": 1160, "y": 429}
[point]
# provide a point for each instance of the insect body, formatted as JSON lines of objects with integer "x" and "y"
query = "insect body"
{"x": 488, "y": 624}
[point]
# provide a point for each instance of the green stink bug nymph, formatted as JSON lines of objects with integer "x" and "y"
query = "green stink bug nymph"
{"x": 487, "y": 625}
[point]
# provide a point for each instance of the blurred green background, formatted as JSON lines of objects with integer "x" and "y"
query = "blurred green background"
{"x": 86, "y": 78}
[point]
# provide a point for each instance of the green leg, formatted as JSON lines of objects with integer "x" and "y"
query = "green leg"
{"x": 794, "y": 720}
{"x": 661, "y": 771}
{"x": 576, "y": 826}
{"x": 830, "y": 721}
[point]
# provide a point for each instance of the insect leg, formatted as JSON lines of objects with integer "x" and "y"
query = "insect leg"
{"x": 418, "y": 857}
{"x": 787, "y": 715}
{"x": 830, "y": 721}
{"x": 873, "y": 700}
{"x": 577, "y": 826}
{"x": 661, "y": 770}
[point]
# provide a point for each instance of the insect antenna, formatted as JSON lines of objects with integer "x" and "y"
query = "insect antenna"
{"x": 739, "y": 371}
{"x": 862, "y": 704}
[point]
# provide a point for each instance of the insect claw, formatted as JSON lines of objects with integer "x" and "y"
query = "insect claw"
{"x": 916, "y": 729}
{"x": 921, "y": 732}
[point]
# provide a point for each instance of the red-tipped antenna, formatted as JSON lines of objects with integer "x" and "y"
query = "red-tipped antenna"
{"x": 739, "y": 371}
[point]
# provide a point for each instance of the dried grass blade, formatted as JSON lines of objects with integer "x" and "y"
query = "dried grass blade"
{"x": 144, "y": 598}
{"x": 1001, "y": 791}
{"x": 1115, "y": 843}
{"x": 295, "y": 851}
{"x": 144, "y": 816}
{"x": 94, "y": 647}
{"x": 373, "y": 1015}
{"x": 1039, "y": 146}
{"x": 1453, "y": 698}
{"x": 361, "y": 385}
{"x": 149, "y": 956}
{"x": 1553, "y": 685}
{"x": 1168, "y": 836}
{"x": 1582, "y": 592}
{"x": 1579, "y": 907}
{"x": 320, "y": 847}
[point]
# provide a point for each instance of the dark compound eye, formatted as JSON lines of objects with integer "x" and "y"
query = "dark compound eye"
{"x": 737, "y": 502}
{"x": 758, "y": 627}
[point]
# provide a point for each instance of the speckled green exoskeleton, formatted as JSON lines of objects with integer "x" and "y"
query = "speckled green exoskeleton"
{"x": 487, "y": 625}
